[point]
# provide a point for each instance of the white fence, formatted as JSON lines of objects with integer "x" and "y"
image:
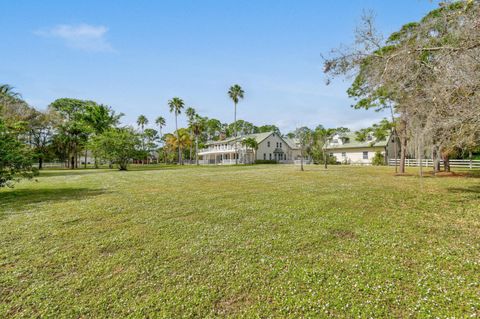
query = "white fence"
{"x": 51, "y": 165}
{"x": 470, "y": 164}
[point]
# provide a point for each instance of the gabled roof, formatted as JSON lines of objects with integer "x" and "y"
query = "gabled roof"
{"x": 259, "y": 137}
{"x": 351, "y": 142}
{"x": 293, "y": 143}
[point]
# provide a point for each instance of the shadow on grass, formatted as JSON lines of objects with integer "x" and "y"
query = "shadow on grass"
{"x": 91, "y": 171}
{"x": 467, "y": 190}
{"x": 71, "y": 172}
{"x": 19, "y": 199}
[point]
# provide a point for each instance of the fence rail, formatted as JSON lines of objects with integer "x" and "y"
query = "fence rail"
{"x": 51, "y": 165}
{"x": 413, "y": 162}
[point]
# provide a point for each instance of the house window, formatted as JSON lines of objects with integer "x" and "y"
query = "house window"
{"x": 331, "y": 154}
{"x": 369, "y": 138}
{"x": 270, "y": 156}
{"x": 284, "y": 157}
{"x": 264, "y": 156}
{"x": 268, "y": 144}
{"x": 335, "y": 141}
{"x": 344, "y": 154}
{"x": 277, "y": 144}
{"x": 365, "y": 155}
{"x": 280, "y": 144}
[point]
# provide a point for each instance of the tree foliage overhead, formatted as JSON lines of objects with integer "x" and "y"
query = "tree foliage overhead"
{"x": 426, "y": 74}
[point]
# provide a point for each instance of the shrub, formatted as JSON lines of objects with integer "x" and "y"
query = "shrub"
{"x": 15, "y": 158}
{"x": 265, "y": 162}
{"x": 378, "y": 159}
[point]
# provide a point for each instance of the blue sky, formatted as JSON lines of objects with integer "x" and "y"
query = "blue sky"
{"x": 136, "y": 55}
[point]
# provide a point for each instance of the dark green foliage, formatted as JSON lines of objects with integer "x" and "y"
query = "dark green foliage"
{"x": 378, "y": 159}
{"x": 118, "y": 146}
{"x": 265, "y": 162}
{"x": 15, "y": 158}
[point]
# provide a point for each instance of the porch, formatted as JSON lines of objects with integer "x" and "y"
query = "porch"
{"x": 225, "y": 156}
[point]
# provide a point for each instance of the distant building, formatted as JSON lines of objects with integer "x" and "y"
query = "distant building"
{"x": 348, "y": 150}
{"x": 271, "y": 147}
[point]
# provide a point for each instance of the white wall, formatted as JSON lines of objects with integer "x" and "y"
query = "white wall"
{"x": 355, "y": 155}
{"x": 263, "y": 148}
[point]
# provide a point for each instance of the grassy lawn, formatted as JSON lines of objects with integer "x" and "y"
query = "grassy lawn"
{"x": 256, "y": 241}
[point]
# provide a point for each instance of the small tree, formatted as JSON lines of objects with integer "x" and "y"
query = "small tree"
{"x": 15, "y": 158}
{"x": 378, "y": 159}
{"x": 304, "y": 136}
{"x": 198, "y": 126}
{"x": 119, "y": 146}
{"x": 253, "y": 144}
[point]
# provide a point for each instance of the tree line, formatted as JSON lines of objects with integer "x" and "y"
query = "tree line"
{"x": 71, "y": 131}
{"x": 74, "y": 131}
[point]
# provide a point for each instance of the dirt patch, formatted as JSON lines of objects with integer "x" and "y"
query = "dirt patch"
{"x": 232, "y": 304}
{"x": 343, "y": 234}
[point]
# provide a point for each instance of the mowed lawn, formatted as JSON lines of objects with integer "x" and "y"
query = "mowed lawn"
{"x": 255, "y": 241}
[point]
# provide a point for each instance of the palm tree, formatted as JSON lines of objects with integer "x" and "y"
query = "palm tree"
{"x": 160, "y": 121}
{"x": 253, "y": 144}
{"x": 176, "y": 105}
{"x": 235, "y": 93}
{"x": 321, "y": 137}
{"x": 142, "y": 121}
{"x": 191, "y": 113}
{"x": 179, "y": 140}
{"x": 198, "y": 126}
{"x": 7, "y": 94}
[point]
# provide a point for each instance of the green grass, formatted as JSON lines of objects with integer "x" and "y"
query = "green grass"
{"x": 256, "y": 241}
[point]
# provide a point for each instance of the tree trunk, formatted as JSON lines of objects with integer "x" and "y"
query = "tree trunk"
{"x": 191, "y": 149}
{"x": 395, "y": 149}
{"x": 178, "y": 139}
{"x": 86, "y": 152}
{"x": 325, "y": 164}
{"x": 196, "y": 150}
{"x": 72, "y": 162}
{"x": 40, "y": 163}
{"x": 301, "y": 160}
{"x": 446, "y": 163}
{"x": 420, "y": 156}
{"x": 235, "y": 127}
{"x": 435, "y": 159}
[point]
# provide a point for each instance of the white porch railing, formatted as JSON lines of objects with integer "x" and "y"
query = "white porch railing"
{"x": 413, "y": 162}
{"x": 214, "y": 149}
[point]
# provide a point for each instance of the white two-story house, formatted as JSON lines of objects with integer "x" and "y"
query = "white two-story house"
{"x": 271, "y": 147}
{"x": 348, "y": 150}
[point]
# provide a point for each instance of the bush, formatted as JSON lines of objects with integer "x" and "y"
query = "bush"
{"x": 378, "y": 159}
{"x": 15, "y": 158}
{"x": 265, "y": 162}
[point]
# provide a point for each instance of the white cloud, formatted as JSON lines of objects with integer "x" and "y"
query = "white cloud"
{"x": 83, "y": 36}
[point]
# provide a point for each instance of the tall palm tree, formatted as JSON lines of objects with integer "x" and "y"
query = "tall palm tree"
{"x": 142, "y": 121}
{"x": 176, "y": 105}
{"x": 198, "y": 126}
{"x": 191, "y": 113}
{"x": 236, "y": 94}
{"x": 160, "y": 121}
